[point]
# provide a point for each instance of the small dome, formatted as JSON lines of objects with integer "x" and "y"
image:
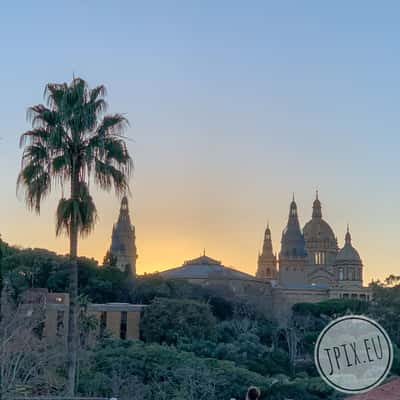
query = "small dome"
{"x": 348, "y": 254}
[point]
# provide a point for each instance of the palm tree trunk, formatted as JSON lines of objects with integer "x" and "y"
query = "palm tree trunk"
{"x": 72, "y": 337}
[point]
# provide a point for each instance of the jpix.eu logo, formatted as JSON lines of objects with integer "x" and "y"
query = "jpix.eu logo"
{"x": 353, "y": 354}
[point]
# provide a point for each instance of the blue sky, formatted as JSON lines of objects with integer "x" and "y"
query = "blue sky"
{"x": 233, "y": 106}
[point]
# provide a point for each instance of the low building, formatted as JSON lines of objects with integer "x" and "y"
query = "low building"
{"x": 228, "y": 281}
{"x": 119, "y": 319}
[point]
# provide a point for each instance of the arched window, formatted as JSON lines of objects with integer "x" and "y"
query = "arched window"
{"x": 341, "y": 277}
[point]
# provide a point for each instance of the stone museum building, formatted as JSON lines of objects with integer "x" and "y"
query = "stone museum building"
{"x": 310, "y": 267}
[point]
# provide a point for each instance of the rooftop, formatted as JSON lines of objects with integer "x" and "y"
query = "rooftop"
{"x": 388, "y": 391}
{"x": 205, "y": 267}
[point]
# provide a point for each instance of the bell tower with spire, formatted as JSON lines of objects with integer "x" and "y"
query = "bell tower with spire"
{"x": 267, "y": 264}
{"x": 293, "y": 254}
{"x": 123, "y": 242}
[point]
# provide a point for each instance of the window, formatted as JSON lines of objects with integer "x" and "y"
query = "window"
{"x": 60, "y": 323}
{"x": 319, "y": 258}
{"x": 352, "y": 274}
{"x": 341, "y": 274}
{"x": 124, "y": 324}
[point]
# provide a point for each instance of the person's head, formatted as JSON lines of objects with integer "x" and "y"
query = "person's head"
{"x": 253, "y": 393}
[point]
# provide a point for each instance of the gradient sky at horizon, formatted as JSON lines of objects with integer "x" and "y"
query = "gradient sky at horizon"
{"x": 233, "y": 106}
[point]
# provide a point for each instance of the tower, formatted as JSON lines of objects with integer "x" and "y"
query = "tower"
{"x": 348, "y": 265}
{"x": 293, "y": 255}
{"x": 267, "y": 266}
{"x": 123, "y": 246}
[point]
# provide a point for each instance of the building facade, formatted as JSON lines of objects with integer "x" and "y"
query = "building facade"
{"x": 123, "y": 241}
{"x": 311, "y": 267}
{"x": 310, "y": 257}
{"x": 121, "y": 320}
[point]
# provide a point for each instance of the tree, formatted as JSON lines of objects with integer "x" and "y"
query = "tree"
{"x": 27, "y": 360}
{"x": 163, "y": 373}
{"x": 70, "y": 143}
{"x": 169, "y": 321}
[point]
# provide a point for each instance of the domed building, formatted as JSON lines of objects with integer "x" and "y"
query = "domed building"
{"x": 348, "y": 265}
{"x": 311, "y": 257}
{"x": 312, "y": 267}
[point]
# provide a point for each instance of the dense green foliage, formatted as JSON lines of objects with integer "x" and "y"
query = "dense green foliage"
{"x": 27, "y": 268}
{"x": 163, "y": 372}
{"x": 196, "y": 342}
{"x": 151, "y": 371}
{"x": 310, "y": 319}
{"x": 170, "y": 321}
{"x": 331, "y": 308}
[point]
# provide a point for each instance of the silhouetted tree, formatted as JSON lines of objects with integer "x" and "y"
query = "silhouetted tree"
{"x": 71, "y": 142}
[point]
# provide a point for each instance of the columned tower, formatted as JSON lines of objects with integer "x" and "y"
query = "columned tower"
{"x": 123, "y": 245}
{"x": 267, "y": 266}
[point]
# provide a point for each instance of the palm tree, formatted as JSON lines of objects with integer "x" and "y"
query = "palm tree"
{"x": 72, "y": 142}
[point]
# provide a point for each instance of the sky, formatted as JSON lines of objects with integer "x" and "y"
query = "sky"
{"x": 233, "y": 106}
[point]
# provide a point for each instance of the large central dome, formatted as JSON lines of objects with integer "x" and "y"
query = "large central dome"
{"x": 318, "y": 230}
{"x": 321, "y": 243}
